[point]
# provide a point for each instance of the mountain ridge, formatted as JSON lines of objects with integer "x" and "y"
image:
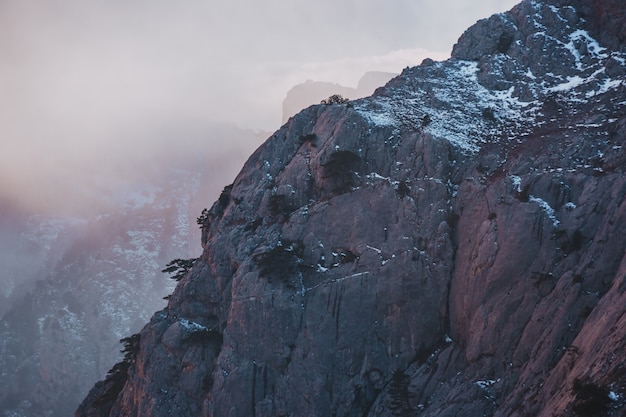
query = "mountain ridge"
{"x": 452, "y": 245}
{"x": 311, "y": 92}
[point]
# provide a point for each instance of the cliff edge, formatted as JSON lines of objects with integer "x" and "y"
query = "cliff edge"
{"x": 453, "y": 245}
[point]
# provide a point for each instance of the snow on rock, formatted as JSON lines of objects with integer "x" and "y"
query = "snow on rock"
{"x": 192, "y": 326}
{"x": 488, "y": 154}
{"x": 549, "y": 211}
{"x": 449, "y": 104}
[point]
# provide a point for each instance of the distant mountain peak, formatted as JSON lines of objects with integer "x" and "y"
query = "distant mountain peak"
{"x": 313, "y": 92}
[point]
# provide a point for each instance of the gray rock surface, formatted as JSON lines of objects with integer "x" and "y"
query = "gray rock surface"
{"x": 452, "y": 246}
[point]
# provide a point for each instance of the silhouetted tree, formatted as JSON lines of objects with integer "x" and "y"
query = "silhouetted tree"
{"x": 283, "y": 262}
{"x": 504, "y": 43}
{"x": 341, "y": 167}
{"x": 278, "y": 204}
{"x": 204, "y": 216}
{"x": 403, "y": 189}
{"x": 131, "y": 346}
{"x": 335, "y": 99}
{"x": 117, "y": 375}
{"x": 591, "y": 398}
{"x": 179, "y": 267}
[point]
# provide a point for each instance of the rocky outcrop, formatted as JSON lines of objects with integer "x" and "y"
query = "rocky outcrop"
{"x": 452, "y": 245}
{"x": 609, "y": 22}
{"x": 312, "y": 92}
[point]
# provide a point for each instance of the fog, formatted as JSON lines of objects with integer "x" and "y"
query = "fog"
{"x": 96, "y": 95}
{"x": 120, "y": 120}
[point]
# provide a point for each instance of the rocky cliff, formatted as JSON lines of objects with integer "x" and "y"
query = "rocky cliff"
{"x": 453, "y": 245}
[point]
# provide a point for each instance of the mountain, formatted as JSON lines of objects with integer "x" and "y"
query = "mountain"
{"x": 312, "y": 92}
{"x": 62, "y": 333}
{"x": 453, "y": 245}
{"x": 72, "y": 287}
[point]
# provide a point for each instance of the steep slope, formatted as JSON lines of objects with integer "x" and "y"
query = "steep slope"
{"x": 72, "y": 287}
{"x": 62, "y": 334}
{"x": 452, "y": 245}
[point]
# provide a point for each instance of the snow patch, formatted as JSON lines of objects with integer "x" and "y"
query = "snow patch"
{"x": 192, "y": 326}
{"x": 569, "y": 206}
{"x": 375, "y": 175}
{"x": 572, "y": 82}
{"x": 546, "y": 208}
{"x": 449, "y": 106}
{"x": 517, "y": 183}
{"x": 378, "y": 251}
{"x": 484, "y": 384}
{"x": 446, "y": 101}
{"x": 605, "y": 86}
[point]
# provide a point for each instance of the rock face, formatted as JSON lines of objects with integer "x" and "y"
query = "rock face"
{"x": 453, "y": 245}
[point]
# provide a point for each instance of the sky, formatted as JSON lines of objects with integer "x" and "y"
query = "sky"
{"x": 92, "y": 90}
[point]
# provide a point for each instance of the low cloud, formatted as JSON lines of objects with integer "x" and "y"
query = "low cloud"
{"x": 93, "y": 93}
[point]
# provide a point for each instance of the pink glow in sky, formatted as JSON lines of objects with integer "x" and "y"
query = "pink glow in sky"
{"x": 92, "y": 90}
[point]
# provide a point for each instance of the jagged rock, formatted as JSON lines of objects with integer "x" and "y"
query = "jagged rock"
{"x": 487, "y": 37}
{"x": 609, "y": 22}
{"x": 452, "y": 245}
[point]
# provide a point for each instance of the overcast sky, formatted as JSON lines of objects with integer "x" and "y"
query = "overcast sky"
{"x": 85, "y": 84}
